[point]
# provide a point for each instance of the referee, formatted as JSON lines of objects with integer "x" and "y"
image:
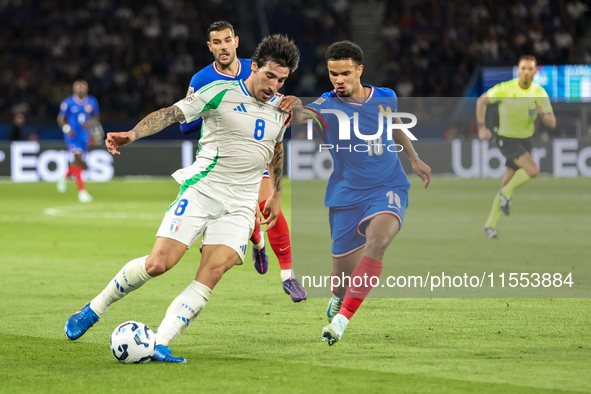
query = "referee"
{"x": 521, "y": 101}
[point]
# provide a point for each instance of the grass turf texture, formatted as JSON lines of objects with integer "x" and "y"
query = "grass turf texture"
{"x": 251, "y": 337}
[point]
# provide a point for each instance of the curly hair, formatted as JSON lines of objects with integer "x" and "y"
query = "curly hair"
{"x": 343, "y": 50}
{"x": 277, "y": 49}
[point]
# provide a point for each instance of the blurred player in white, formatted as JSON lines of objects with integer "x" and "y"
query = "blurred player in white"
{"x": 79, "y": 113}
{"x": 219, "y": 191}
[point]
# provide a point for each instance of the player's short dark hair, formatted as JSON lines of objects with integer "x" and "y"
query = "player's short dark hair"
{"x": 277, "y": 49}
{"x": 343, "y": 50}
{"x": 220, "y": 26}
{"x": 527, "y": 57}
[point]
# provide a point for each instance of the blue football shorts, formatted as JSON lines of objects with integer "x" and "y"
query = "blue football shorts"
{"x": 78, "y": 144}
{"x": 348, "y": 224}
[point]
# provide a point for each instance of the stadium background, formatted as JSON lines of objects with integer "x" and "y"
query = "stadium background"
{"x": 139, "y": 56}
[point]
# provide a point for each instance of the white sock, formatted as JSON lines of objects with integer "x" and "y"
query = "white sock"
{"x": 183, "y": 310}
{"x": 131, "y": 277}
{"x": 285, "y": 275}
{"x": 261, "y": 244}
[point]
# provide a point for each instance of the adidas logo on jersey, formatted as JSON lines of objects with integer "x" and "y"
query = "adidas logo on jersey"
{"x": 240, "y": 108}
{"x": 243, "y": 249}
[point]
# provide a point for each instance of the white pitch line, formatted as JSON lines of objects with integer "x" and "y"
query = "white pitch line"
{"x": 90, "y": 212}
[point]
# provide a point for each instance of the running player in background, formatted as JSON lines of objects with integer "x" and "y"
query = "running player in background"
{"x": 367, "y": 193}
{"x": 78, "y": 114}
{"x": 521, "y": 101}
{"x": 218, "y": 193}
{"x": 222, "y": 43}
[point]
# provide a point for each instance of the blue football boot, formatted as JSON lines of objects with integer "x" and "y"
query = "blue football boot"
{"x": 80, "y": 322}
{"x": 260, "y": 259}
{"x": 164, "y": 354}
{"x": 295, "y": 290}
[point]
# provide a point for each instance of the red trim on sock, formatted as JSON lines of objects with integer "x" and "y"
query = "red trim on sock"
{"x": 360, "y": 288}
{"x": 256, "y": 236}
{"x": 280, "y": 240}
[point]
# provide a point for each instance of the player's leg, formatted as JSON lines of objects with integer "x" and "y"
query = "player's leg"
{"x": 260, "y": 258}
{"x": 165, "y": 254}
{"x": 182, "y": 224}
{"x": 528, "y": 170}
{"x": 382, "y": 220}
{"x": 341, "y": 279}
{"x": 495, "y": 211}
{"x": 225, "y": 244}
{"x": 62, "y": 183}
{"x": 215, "y": 261}
{"x": 280, "y": 240}
{"x": 380, "y": 232}
{"x": 518, "y": 158}
{"x": 78, "y": 167}
{"x": 347, "y": 250}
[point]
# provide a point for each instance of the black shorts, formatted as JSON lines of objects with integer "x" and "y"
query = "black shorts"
{"x": 513, "y": 148}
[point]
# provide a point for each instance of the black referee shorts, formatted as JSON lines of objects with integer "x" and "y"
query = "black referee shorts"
{"x": 513, "y": 148}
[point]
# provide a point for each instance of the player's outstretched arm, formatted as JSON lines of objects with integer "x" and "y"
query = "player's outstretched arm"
{"x": 151, "y": 124}
{"x": 273, "y": 204}
{"x": 483, "y": 132}
{"x": 299, "y": 113}
{"x": 418, "y": 166}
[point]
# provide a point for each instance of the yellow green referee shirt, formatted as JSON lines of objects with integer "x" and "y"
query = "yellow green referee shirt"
{"x": 517, "y": 107}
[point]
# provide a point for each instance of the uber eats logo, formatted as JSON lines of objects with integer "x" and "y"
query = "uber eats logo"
{"x": 29, "y": 164}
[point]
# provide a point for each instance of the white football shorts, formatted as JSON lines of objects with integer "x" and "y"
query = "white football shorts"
{"x": 194, "y": 213}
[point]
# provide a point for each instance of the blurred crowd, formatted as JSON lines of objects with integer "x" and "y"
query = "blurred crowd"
{"x": 432, "y": 47}
{"x": 139, "y": 55}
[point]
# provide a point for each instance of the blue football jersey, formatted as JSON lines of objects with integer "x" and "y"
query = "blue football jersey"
{"x": 77, "y": 112}
{"x": 206, "y": 76}
{"x": 361, "y": 166}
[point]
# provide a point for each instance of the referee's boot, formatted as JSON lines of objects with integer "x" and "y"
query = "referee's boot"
{"x": 504, "y": 203}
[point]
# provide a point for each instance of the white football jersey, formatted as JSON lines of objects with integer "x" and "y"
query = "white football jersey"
{"x": 238, "y": 136}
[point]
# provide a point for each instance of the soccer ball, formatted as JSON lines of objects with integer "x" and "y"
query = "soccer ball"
{"x": 133, "y": 342}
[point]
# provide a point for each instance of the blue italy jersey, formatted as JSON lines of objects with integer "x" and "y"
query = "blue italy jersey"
{"x": 361, "y": 166}
{"x": 206, "y": 76}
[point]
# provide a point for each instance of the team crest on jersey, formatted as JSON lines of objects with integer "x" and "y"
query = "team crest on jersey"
{"x": 319, "y": 101}
{"x": 176, "y": 223}
{"x": 190, "y": 98}
{"x": 74, "y": 109}
{"x": 190, "y": 91}
{"x": 88, "y": 108}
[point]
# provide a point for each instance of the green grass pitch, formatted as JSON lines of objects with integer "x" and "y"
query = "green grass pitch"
{"x": 56, "y": 254}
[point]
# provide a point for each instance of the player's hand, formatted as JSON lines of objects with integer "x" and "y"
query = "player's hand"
{"x": 272, "y": 209}
{"x": 285, "y": 104}
{"x": 257, "y": 216}
{"x": 484, "y": 133}
{"x": 117, "y": 140}
{"x": 422, "y": 170}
